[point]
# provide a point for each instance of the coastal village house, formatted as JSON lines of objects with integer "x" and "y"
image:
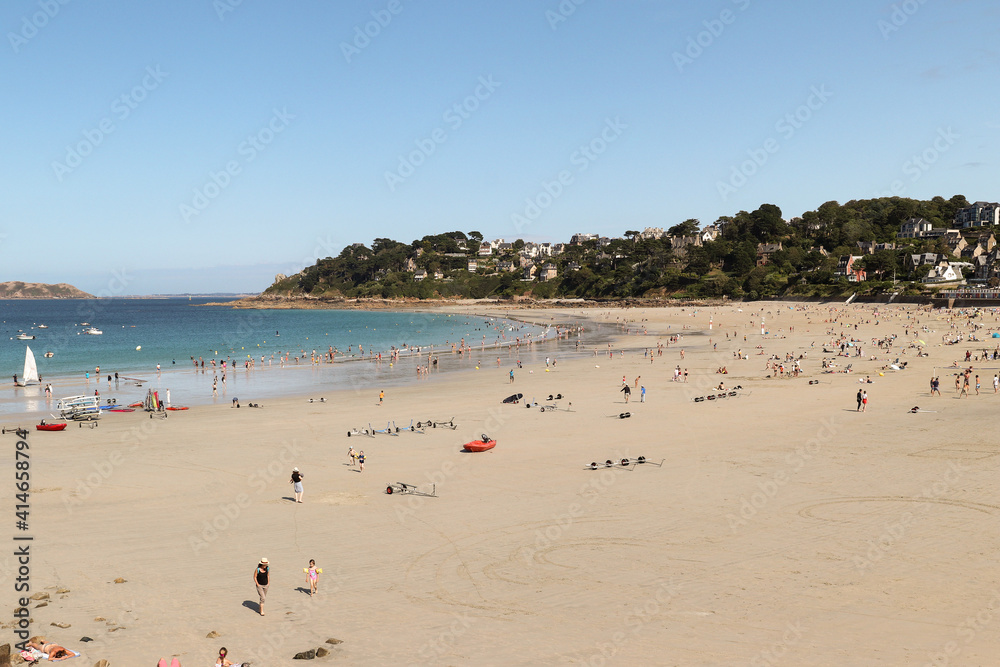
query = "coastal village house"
{"x": 847, "y": 269}
{"x": 914, "y": 262}
{"x": 914, "y": 228}
{"x": 870, "y": 247}
{"x": 765, "y": 251}
{"x": 548, "y": 271}
{"x": 944, "y": 273}
{"x": 956, "y": 242}
{"x": 419, "y": 275}
{"x": 980, "y": 214}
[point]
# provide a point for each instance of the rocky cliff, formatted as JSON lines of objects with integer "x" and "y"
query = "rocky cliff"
{"x": 16, "y": 289}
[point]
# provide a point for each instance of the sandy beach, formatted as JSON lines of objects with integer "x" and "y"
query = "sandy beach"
{"x": 783, "y": 527}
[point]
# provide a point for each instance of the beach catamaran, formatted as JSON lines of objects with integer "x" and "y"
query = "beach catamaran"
{"x": 80, "y": 408}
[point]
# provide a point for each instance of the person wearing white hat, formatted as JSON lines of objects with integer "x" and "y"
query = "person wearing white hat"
{"x": 262, "y": 579}
{"x": 296, "y": 482}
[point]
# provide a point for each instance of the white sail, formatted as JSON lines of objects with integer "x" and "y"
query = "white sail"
{"x": 30, "y": 370}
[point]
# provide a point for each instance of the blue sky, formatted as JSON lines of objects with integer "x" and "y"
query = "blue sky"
{"x": 200, "y": 146}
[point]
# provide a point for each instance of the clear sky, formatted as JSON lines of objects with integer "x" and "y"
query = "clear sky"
{"x": 200, "y": 146}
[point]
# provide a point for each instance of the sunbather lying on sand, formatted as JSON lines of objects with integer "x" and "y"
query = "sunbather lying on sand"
{"x": 54, "y": 651}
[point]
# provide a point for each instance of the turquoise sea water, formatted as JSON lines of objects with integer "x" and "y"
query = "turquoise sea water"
{"x": 138, "y": 334}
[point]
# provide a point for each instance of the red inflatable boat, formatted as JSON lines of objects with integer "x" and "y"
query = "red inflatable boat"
{"x": 480, "y": 445}
{"x": 50, "y": 427}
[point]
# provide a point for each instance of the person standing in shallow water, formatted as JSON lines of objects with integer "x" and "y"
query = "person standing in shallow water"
{"x": 296, "y": 482}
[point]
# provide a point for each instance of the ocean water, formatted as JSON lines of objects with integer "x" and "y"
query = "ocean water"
{"x": 138, "y": 334}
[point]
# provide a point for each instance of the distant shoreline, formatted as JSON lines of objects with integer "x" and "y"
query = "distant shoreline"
{"x": 361, "y": 303}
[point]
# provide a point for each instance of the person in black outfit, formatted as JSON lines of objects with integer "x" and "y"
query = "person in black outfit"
{"x": 261, "y": 579}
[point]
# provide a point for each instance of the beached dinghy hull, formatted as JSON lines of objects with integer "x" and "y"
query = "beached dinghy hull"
{"x": 50, "y": 427}
{"x": 479, "y": 445}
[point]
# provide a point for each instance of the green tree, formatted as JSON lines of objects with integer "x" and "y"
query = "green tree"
{"x": 689, "y": 227}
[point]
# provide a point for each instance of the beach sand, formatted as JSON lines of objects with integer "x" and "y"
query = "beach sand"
{"x": 784, "y": 527}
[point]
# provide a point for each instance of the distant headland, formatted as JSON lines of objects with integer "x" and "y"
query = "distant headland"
{"x": 15, "y": 289}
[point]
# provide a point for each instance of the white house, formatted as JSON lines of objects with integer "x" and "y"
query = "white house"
{"x": 944, "y": 273}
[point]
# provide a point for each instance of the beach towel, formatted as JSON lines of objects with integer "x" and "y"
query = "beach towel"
{"x": 31, "y": 655}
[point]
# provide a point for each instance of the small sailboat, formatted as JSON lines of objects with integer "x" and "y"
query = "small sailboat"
{"x": 30, "y": 375}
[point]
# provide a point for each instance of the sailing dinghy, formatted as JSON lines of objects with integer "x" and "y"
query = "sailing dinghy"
{"x": 30, "y": 375}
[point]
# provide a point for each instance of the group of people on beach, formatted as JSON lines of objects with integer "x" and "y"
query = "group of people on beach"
{"x": 262, "y": 580}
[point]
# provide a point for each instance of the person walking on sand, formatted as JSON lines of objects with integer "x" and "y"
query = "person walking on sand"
{"x": 262, "y": 579}
{"x": 296, "y": 482}
{"x": 859, "y": 401}
{"x": 361, "y": 460}
{"x": 312, "y": 577}
{"x": 511, "y": 376}
{"x": 864, "y": 401}
{"x": 381, "y": 396}
{"x": 353, "y": 455}
{"x": 628, "y": 392}
{"x": 642, "y": 394}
